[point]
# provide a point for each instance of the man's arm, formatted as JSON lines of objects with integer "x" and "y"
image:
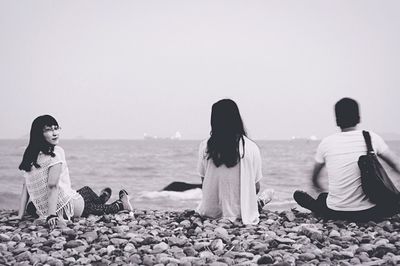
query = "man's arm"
{"x": 316, "y": 174}
{"x": 391, "y": 159}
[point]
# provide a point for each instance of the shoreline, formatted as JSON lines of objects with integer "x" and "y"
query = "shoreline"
{"x": 184, "y": 238}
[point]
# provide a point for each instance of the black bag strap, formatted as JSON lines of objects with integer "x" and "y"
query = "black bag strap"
{"x": 367, "y": 139}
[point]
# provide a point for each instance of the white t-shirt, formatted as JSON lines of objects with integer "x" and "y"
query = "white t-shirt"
{"x": 230, "y": 192}
{"x": 340, "y": 153}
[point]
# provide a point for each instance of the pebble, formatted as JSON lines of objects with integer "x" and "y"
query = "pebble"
{"x": 4, "y": 238}
{"x": 161, "y": 247}
{"x": 185, "y": 238}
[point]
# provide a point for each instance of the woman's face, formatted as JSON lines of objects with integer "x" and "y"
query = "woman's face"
{"x": 51, "y": 134}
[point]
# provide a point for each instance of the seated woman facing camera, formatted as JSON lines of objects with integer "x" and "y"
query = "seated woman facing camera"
{"x": 47, "y": 182}
{"x": 230, "y": 168}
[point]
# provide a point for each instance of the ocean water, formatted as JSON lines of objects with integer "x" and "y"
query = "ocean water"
{"x": 144, "y": 167}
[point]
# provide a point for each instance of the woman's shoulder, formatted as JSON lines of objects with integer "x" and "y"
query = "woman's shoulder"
{"x": 58, "y": 150}
{"x": 60, "y": 154}
{"x": 203, "y": 147}
{"x": 249, "y": 143}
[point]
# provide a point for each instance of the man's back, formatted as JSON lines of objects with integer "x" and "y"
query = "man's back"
{"x": 340, "y": 153}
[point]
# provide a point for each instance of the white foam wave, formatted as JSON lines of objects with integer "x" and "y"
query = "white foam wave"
{"x": 192, "y": 194}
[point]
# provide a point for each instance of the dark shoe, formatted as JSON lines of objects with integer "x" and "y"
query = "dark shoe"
{"x": 124, "y": 197}
{"x": 305, "y": 200}
{"x": 105, "y": 195}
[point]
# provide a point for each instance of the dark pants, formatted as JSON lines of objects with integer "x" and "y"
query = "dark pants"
{"x": 374, "y": 213}
{"x": 94, "y": 205}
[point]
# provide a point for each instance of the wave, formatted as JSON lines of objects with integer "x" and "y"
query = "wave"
{"x": 139, "y": 168}
{"x": 191, "y": 194}
{"x": 283, "y": 202}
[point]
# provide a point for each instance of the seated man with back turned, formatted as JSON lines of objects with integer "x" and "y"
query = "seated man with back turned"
{"x": 339, "y": 152}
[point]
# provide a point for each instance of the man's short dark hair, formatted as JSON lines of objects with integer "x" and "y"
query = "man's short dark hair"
{"x": 347, "y": 113}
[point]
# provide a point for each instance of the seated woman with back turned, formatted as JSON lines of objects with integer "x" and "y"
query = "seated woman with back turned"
{"x": 230, "y": 167}
{"x": 47, "y": 182}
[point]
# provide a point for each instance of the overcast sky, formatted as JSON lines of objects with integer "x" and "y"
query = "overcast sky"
{"x": 118, "y": 69}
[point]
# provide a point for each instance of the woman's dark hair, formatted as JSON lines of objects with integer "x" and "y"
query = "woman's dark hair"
{"x": 37, "y": 143}
{"x": 347, "y": 113}
{"x": 227, "y": 130}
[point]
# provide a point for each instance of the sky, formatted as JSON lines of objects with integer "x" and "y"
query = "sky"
{"x": 119, "y": 69}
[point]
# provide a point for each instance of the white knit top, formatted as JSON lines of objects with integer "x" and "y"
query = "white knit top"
{"x": 37, "y": 185}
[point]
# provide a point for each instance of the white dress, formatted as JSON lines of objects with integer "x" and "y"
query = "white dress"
{"x": 230, "y": 192}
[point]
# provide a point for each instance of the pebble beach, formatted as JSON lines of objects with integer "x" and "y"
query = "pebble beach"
{"x": 154, "y": 237}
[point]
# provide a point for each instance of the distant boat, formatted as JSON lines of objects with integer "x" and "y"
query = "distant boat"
{"x": 311, "y": 138}
{"x": 177, "y": 136}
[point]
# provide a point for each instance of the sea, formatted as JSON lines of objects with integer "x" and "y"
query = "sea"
{"x": 145, "y": 167}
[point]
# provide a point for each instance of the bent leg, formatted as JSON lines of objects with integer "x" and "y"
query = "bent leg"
{"x": 89, "y": 195}
{"x": 101, "y": 209}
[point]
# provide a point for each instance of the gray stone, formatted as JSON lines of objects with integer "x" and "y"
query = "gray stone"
{"x": 161, "y": 247}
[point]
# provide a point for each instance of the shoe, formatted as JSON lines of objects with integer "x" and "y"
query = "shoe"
{"x": 124, "y": 197}
{"x": 105, "y": 195}
{"x": 305, "y": 200}
{"x": 264, "y": 198}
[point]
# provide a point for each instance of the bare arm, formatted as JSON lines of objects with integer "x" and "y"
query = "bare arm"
{"x": 22, "y": 203}
{"x": 316, "y": 175}
{"x": 391, "y": 159}
{"x": 54, "y": 177}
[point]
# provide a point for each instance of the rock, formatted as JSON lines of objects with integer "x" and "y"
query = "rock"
{"x": 24, "y": 256}
{"x": 189, "y": 251}
{"x": 149, "y": 240}
{"x": 265, "y": 259}
{"x": 207, "y": 255}
{"x": 346, "y": 253}
{"x": 221, "y": 233}
{"x": 217, "y": 244}
{"x": 54, "y": 262}
{"x": 3, "y": 247}
{"x": 118, "y": 241}
{"x": 218, "y": 263}
{"x": 16, "y": 237}
{"x": 90, "y": 236}
{"x": 84, "y": 261}
{"x": 74, "y": 243}
{"x": 121, "y": 229}
{"x": 161, "y": 247}
{"x": 110, "y": 249}
{"x": 130, "y": 248}
{"x": 284, "y": 240}
{"x": 4, "y": 238}
{"x": 149, "y": 260}
{"x": 71, "y": 260}
{"x": 381, "y": 242}
{"x": 306, "y": 256}
{"x": 177, "y": 241}
{"x": 185, "y": 223}
{"x": 363, "y": 257}
{"x": 290, "y": 216}
{"x": 200, "y": 245}
{"x": 334, "y": 234}
{"x": 135, "y": 259}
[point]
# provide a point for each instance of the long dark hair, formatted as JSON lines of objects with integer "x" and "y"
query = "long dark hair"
{"x": 227, "y": 130}
{"x": 37, "y": 142}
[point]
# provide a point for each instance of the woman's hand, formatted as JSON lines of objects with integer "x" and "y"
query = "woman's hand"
{"x": 52, "y": 221}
